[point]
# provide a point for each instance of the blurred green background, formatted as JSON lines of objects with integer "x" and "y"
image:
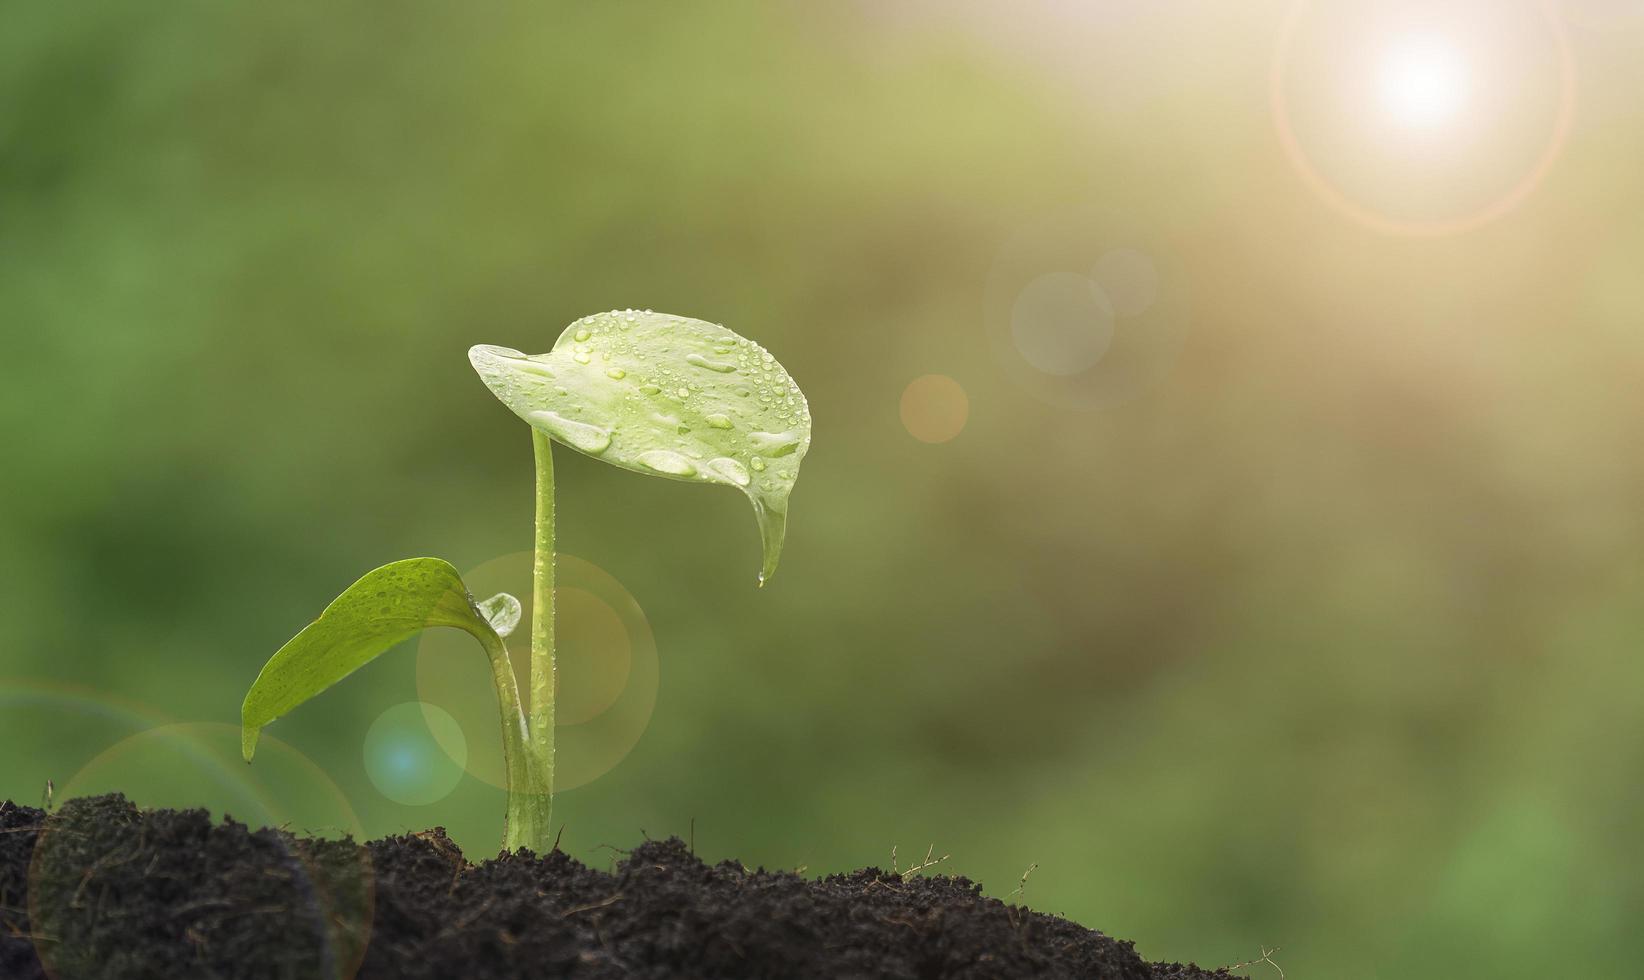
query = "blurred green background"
{"x": 1302, "y": 610}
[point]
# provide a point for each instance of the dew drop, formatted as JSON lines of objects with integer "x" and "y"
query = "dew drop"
{"x": 579, "y": 435}
{"x": 524, "y": 365}
{"x": 581, "y": 358}
{"x": 683, "y": 392}
{"x": 730, "y": 469}
{"x": 757, "y": 464}
{"x": 703, "y": 362}
{"x": 774, "y": 443}
{"x": 616, "y": 374}
{"x": 719, "y": 421}
{"x": 649, "y": 389}
{"x": 667, "y": 461}
{"x": 583, "y": 335}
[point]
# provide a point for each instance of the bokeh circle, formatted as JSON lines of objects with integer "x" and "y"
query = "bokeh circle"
{"x": 1085, "y": 309}
{"x": 1062, "y": 323}
{"x": 607, "y": 670}
{"x": 934, "y": 408}
{"x": 415, "y": 753}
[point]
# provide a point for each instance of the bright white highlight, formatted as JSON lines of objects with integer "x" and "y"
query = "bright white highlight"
{"x": 1423, "y": 82}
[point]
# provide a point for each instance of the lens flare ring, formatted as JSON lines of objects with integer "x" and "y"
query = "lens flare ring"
{"x": 188, "y": 765}
{"x": 607, "y": 669}
{"x": 1423, "y": 84}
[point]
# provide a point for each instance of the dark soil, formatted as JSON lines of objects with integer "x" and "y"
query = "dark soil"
{"x": 98, "y": 889}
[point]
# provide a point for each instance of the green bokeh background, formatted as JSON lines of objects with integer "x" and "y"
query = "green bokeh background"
{"x": 1326, "y": 638}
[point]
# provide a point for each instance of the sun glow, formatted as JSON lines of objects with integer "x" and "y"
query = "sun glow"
{"x": 1423, "y": 83}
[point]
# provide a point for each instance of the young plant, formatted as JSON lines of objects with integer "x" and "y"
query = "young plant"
{"x": 664, "y": 395}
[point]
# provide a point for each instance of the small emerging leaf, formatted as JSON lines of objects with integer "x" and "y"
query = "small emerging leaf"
{"x": 388, "y": 605}
{"x": 668, "y": 396}
{"x": 502, "y": 611}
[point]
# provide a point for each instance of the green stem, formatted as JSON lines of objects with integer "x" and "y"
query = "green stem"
{"x": 542, "y": 612}
{"x": 529, "y": 800}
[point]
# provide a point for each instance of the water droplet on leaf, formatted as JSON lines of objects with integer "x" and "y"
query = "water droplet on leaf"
{"x": 667, "y": 461}
{"x": 579, "y": 435}
{"x": 774, "y": 443}
{"x": 703, "y": 362}
{"x": 731, "y": 470}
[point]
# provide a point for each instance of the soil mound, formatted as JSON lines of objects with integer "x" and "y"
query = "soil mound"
{"x": 99, "y": 889}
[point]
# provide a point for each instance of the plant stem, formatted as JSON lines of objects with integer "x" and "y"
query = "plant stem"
{"x": 528, "y": 746}
{"x": 542, "y": 613}
{"x": 529, "y": 800}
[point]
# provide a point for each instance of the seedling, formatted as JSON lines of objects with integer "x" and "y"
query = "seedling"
{"x": 657, "y": 394}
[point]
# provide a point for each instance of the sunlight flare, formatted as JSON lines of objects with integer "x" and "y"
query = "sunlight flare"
{"x": 1423, "y": 83}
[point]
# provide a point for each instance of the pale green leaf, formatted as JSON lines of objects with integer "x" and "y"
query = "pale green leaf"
{"x": 388, "y": 605}
{"x": 668, "y": 396}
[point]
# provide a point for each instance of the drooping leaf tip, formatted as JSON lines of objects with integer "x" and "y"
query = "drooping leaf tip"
{"x": 773, "y": 532}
